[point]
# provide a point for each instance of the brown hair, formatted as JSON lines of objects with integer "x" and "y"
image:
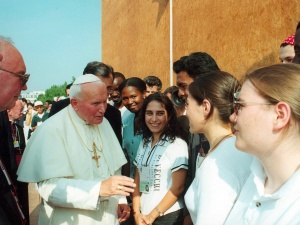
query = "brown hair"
{"x": 218, "y": 88}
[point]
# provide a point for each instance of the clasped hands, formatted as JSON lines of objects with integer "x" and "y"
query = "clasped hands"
{"x": 141, "y": 219}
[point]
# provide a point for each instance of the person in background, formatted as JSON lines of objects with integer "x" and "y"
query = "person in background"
{"x": 267, "y": 122}
{"x": 287, "y": 53}
{"x": 28, "y": 119}
{"x": 22, "y": 120}
{"x": 297, "y": 45}
{"x": 115, "y": 94}
{"x": 47, "y": 106}
{"x": 153, "y": 84}
{"x": 187, "y": 69}
{"x": 179, "y": 103}
{"x": 39, "y": 117}
{"x": 67, "y": 90}
{"x": 161, "y": 163}
{"x": 78, "y": 172}
{"x": 221, "y": 175}
{"x": 14, "y": 115}
{"x": 133, "y": 92}
{"x": 24, "y": 104}
{"x": 19, "y": 143}
{"x": 13, "y": 79}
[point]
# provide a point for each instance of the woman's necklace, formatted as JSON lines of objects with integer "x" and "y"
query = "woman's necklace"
{"x": 218, "y": 143}
{"x": 94, "y": 146}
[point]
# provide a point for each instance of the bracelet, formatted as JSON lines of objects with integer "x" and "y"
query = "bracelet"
{"x": 158, "y": 211}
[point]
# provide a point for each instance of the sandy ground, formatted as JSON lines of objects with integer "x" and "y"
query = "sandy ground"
{"x": 34, "y": 201}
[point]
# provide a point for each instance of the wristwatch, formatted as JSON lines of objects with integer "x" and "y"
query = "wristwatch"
{"x": 158, "y": 211}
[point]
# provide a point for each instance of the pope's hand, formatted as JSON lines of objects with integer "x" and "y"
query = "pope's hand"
{"x": 117, "y": 185}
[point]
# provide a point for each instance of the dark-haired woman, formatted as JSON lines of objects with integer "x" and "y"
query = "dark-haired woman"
{"x": 161, "y": 163}
{"x": 223, "y": 172}
{"x": 133, "y": 91}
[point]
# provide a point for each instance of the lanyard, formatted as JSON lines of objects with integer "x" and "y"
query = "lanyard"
{"x": 15, "y": 132}
{"x": 150, "y": 155}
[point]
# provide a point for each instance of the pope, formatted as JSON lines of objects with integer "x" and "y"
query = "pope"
{"x": 76, "y": 159}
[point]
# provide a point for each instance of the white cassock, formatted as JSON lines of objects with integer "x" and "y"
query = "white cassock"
{"x": 68, "y": 177}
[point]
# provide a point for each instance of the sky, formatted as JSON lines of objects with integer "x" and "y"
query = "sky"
{"x": 57, "y": 38}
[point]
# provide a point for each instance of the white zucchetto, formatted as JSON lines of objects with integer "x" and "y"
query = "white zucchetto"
{"x": 87, "y": 78}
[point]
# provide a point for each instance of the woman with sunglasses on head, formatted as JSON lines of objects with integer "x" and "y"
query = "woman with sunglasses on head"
{"x": 161, "y": 163}
{"x": 221, "y": 174}
{"x": 267, "y": 123}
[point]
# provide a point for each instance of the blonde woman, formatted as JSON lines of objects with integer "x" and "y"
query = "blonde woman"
{"x": 267, "y": 125}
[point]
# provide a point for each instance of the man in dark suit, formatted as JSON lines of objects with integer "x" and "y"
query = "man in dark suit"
{"x": 106, "y": 74}
{"x": 18, "y": 145}
{"x": 12, "y": 81}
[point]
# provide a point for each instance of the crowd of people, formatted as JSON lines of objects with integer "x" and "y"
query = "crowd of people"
{"x": 210, "y": 150}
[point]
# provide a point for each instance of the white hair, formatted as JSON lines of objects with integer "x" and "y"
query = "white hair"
{"x": 7, "y": 39}
{"x": 4, "y": 39}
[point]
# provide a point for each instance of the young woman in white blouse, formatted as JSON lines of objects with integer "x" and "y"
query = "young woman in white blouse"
{"x": 267, "y": 125}
{"x": 161, "y": 163}
{"x": 221, "y": 175}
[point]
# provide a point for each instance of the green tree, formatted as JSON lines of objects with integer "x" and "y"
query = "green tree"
{"x": 54, "y": 91}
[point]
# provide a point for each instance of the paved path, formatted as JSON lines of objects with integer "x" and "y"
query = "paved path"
{"x": 34, "y": 201}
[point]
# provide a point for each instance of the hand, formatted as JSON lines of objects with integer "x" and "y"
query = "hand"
{"x": 138, "y": 219}
{"x": 149, "y": 219}
{"x": 187, "y": 220}
{"x": 117, "y": 185}
{"x": 141, "y": 219}
{"x": 123, "y": 212}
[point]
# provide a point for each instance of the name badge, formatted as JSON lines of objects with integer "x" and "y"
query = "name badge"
{"x": 145, "y": 179}
{"x": 16, "y": 144}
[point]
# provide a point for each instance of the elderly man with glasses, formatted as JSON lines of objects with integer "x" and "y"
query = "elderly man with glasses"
{"x": 12, "y": 81}
{"x": 12, "y": 75}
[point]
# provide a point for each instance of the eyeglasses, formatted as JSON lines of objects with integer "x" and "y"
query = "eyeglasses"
{"x": 238, "y": 104}
{"x": 23, "y": 78}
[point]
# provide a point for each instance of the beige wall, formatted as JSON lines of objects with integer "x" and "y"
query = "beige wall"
{"x": 240, "y": 35}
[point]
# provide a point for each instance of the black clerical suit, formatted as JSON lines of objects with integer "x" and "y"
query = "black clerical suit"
{"x": 9, "y": 213}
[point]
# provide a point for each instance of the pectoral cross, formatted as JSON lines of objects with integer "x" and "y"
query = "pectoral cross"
{"x": 95, "y": 156}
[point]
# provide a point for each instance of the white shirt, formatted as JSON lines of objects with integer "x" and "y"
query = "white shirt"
{"x": 217, "y": 184}
{"x": 161, "y": 160}
{"x": 255, "y": 207}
